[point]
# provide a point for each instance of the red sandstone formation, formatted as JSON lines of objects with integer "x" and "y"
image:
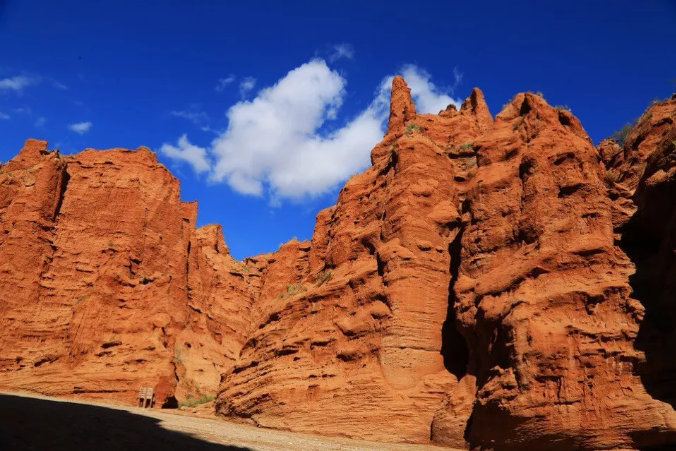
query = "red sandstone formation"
{"x": 492, "y": 284}
{"x": 97, "y": 296}
{"x": 478, "y": 293}
{"x": 360, "y": 340}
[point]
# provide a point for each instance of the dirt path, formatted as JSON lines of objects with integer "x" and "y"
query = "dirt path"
{"x": 40, "y": 422}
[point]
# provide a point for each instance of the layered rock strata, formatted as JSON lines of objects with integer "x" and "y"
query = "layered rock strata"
{"x": 495, "y": 284}
{"x": 106, "y": 284}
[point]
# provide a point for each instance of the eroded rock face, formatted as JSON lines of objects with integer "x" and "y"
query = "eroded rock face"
{"x": 492, "y": 284}
{"x": 543, "y": 294}
{"x": 100, "y": 261}
{"x": 220, "y": 298}
{"x": 649, "y": 239}
{"x": 480, "y": 294}
{"x": 358, "y": 341}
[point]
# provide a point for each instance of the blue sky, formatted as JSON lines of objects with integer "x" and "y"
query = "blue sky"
{"x": 281, "y": 101}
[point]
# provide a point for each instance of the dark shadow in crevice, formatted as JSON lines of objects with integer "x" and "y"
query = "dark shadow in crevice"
{"x": 525, "y": 107}
{"x": 170, "y": 403}
{"x": 564, "y": 119}
{"x": 63, "y": 185}
{"x": 668, "y": 445}
{"x": 653, "y": 440}
{"x": 468, "y": 427}
{"x": 453, "y": 345}
{"x": 41, "y": 424}
{"x": 649, "y": 239}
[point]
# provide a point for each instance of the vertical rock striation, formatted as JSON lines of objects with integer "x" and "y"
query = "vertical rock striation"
{"x": 99, "y": 261}
{"x": 356, "y": 336}
{"x": 491, "y": 284}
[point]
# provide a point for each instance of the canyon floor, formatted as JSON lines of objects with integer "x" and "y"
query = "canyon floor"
{"x": 30, "y": 421}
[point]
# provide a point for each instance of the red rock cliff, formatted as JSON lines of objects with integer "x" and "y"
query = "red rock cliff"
{"x": 106, "y": 285}
{"x": 476, "y": 287}
{"x": 497, "y": 284}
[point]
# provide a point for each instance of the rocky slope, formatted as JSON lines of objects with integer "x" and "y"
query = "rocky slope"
{"x": 497, "y": 284}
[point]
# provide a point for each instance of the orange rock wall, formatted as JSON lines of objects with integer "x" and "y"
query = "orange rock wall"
{"x": 480, "y": 291}
{"x": 97, "y": 295}
{"x": 495, "y": 284}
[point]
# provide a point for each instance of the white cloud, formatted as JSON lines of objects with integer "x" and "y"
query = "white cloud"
{"x": 223, "y": 82}
{"x": 80, "y": 127}
{"x": 196, "y": 117}
{"x": 457, "y": 75}
{"x": 40, "y": 122}
{"x": 246, "y": 85}
{"x": 274, "y": 140}
{"x": 59, "y": 85}
{"x": 342, "y": 51}
{"x": 276, "y": 144}
{"x": 4, "y": 116}
{"x": 17, "y": 83}
{"x": 185, "y": 151}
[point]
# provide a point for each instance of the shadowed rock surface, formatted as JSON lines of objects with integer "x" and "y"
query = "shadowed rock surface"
{"x": 497, "y": 284}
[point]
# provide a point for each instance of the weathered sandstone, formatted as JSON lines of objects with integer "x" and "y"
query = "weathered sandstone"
{"x": 491, "y": 283}
{"x": 97, "y": 295}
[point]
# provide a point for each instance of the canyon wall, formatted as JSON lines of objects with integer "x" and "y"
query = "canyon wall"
{"x": 487, "y": 283}
{"x": 106, "y": 284}
{"x": 484, "y": 289}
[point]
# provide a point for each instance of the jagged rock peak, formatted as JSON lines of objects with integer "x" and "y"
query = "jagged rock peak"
{"x": 528, "y": 109}
{"x": 29, "y": 154}
{"x": 211, "y": 236}
{"x": 402, "y": 108}
{"x": 476, "y": 104}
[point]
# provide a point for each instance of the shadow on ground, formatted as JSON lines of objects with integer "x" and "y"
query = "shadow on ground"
{"x": 39, "y": 424}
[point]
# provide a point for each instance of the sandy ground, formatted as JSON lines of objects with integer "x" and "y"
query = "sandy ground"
{"x": 42, "y": 423}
